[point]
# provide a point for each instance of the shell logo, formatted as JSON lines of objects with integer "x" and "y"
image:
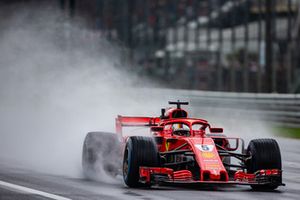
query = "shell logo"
{"x": 208, "y": 155}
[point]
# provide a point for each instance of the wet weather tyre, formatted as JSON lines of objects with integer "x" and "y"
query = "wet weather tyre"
{"x": 139, "y": 151}
{"x": 265, "y": 154}
{"x": 101, "y": 152}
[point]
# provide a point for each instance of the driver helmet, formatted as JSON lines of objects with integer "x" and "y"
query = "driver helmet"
{"x": 180, "y": 129}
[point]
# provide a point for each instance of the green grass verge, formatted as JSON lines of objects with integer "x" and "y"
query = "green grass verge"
{"x": 287, "y": 132}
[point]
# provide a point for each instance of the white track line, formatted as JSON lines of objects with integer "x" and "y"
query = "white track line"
{"x": 31, "y": 191}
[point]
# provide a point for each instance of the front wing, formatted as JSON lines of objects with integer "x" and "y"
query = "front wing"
{"x": 168, "y": 175}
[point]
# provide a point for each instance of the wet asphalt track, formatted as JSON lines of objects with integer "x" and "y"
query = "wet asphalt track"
{"x": 82, "y": 189}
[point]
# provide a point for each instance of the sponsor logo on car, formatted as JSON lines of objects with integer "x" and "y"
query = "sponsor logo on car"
{"x": 208, "y": 155}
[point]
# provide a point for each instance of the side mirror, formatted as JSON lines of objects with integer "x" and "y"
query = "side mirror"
{"x": 157, "y": 128}
{"x": 216, "y": 130}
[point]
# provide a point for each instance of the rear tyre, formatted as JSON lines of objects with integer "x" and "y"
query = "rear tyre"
{"x": 101, "y": 152}
{"x": 139, "y": 151}
{"x": 265, "y": 154}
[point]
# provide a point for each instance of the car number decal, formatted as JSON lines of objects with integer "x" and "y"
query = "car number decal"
{"x": 205, "y": 147}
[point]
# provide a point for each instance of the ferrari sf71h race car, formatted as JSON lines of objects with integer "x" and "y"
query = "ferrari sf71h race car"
{"x": 182, "y": 150}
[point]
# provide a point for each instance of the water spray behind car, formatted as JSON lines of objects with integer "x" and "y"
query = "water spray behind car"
{"x": 56, "y": 84}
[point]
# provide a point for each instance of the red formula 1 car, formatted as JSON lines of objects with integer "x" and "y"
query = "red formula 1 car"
{"x": 183, "y": 150}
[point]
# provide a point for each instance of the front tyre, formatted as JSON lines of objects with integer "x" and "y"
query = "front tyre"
{"x": 139, "y": 151}
{"x": 265, "y": 154}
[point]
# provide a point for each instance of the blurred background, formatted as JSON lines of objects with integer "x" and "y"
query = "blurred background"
{"x": 217, "y": 45}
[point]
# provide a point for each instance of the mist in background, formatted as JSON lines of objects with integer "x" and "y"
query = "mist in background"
{"x": 57, "y": 83}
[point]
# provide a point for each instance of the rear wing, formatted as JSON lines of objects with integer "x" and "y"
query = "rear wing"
{"x": 134, "y": 121}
